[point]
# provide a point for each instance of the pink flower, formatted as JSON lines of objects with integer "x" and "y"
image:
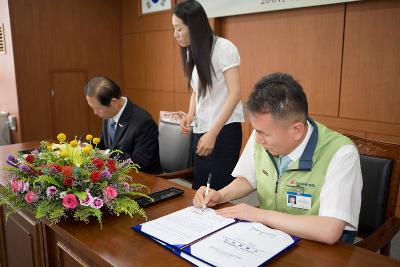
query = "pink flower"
{"x": 16, "y": 186}
{"x": 31, "y": 197}
{"x": 97, "y": 203}
{"x": 19, "y": 186}
{"x": 110, "y": 192}
{"x": 70, "y": 201}
{"x": 87, "y": 201}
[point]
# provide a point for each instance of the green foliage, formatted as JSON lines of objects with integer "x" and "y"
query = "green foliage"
{"x": 53, "y": 210}
{"x": 127, "y": 206}
{"x": 56, "y": 215}
{"x": 137, "y": 186}
{"x": 8, "y": 168}
{"x": 83, "y": 213}
{"x": 47, "y": 179}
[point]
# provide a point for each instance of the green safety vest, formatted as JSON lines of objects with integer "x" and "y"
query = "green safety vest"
{"x": 306, "y": 175}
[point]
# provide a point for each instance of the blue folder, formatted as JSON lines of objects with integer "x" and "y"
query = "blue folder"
{"x": 184, "y": 250}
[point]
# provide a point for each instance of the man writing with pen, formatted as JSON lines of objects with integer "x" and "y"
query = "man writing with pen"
{"x": 289, "y": 154}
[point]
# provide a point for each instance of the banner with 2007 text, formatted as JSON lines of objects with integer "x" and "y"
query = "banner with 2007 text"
{"x": 222, "y": 8}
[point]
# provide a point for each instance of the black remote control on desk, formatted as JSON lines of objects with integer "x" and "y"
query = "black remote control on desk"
{"x": 159, "y": 196}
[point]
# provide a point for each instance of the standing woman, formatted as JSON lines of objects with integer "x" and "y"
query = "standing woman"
{"x": 211, "y": 66}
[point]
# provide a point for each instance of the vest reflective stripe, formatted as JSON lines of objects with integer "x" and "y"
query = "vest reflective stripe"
{"x": 307, "y": 181}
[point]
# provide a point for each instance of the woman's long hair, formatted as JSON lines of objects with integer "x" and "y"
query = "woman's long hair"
{"x": 201, "y": 41}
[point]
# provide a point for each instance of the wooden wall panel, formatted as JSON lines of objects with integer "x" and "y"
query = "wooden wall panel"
{"x": 147, "y": 70}
{"x": 182, "y": 101}
{"x": 153, "y": 101}
{"x": 139, "y": 97}
{"x": 160, "y": 101}
{"x": 304, "y": 42}
{"x": 371, "y": 62}
{"x": 59, "y": 36}
{"x": 133, "y": 51}
{"x": 159, "y": 55}
{"x": 65, "y": 86}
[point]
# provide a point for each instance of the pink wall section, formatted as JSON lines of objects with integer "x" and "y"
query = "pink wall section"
{"x": 8, "y": 87}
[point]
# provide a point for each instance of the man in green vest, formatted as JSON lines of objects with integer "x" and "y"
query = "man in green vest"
{"x": 307, "y": 177}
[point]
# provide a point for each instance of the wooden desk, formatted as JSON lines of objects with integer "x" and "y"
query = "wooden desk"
{"x": 78, "y": 244}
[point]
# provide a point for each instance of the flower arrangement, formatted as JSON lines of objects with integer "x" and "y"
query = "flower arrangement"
{"x": 68, "y": 179}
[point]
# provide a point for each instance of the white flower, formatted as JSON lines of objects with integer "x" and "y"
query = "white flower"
{"x": 51, "y": 191}
{"x": 63, "y": 194}
{"x": 87, "y": 201}
{"x": 97, "y": 203}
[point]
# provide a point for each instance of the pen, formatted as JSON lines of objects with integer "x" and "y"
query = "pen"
{"x": 207, "y": 188}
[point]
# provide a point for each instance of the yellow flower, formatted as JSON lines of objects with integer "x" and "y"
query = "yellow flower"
{"x": 64, "y": 153}
{"x": 74, "y": 143}
{"x": 89, "y": 145}
{"x": 89, "y": 137}
{"x": 49, "y": 148}
{"x": 96, "y": 140}
{"x": 86, "y": 150}
{"x": 61, "y": 137}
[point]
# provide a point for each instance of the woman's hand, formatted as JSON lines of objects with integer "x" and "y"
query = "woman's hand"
{"x": 185, "y": 124}
{"x": 206, "y": 144}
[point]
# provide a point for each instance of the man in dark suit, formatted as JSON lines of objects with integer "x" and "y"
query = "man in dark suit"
{"x": 126, "y": 126}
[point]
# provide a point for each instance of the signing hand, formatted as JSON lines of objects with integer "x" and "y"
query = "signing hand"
{"x": 206, "y": 144}
{"x": 185, "y": 124}
{"x": 213, "y": 198}
{"x": 242, "y": 212}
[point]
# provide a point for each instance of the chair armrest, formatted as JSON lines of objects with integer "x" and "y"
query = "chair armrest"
{"x": 382, "y": 236}
{"x": 178, "y": 174}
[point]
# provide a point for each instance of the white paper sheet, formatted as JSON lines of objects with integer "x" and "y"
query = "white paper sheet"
{"x": 241, "y": 244}
{"x": 185, "y": 226}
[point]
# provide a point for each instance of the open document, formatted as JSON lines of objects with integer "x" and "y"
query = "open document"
{"x": 204, "y": 237}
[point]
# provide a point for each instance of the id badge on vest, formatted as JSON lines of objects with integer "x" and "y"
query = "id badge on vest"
{"x": 297, "y": 200}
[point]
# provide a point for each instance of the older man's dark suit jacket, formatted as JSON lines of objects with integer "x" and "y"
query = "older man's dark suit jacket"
{"x": 137, "y": 136}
